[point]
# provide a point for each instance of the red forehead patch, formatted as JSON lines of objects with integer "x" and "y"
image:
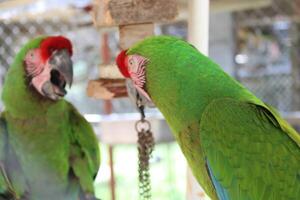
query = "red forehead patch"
{"x": 121, "y": 62}
{"x": 53, "y": 43}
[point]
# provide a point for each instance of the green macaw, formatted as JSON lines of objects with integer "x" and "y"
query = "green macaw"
{"x": 238, "y": 147}
{"x": 47, "y": 149}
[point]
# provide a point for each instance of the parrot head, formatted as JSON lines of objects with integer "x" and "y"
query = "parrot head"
{"x": 149, "y": 63}
{"x": 49, "y": 67}
{"x": 133, "y": 67}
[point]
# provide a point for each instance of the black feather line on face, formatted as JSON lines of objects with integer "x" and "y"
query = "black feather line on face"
{"x": 137, "y": 73}
{"x": 27, "y": 77}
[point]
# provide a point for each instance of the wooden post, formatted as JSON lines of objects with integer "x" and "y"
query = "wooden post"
{"x": 112, "y": 173}
{"x": 106, "y": 56}
{"x": 198, "y": 29}
{"x": 198, "y": 24}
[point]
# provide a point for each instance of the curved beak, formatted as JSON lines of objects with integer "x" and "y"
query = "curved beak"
{"x": 61, "y": 74}
{"x": 61, "y": 61}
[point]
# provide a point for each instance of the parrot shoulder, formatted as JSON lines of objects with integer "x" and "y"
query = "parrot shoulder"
{"x": 85, "y": 156}
{"x": 247, "y": 147}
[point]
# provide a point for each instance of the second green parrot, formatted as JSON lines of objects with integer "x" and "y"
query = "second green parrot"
{"x": 47, "y": 149}
{"x": 238, "y": 147}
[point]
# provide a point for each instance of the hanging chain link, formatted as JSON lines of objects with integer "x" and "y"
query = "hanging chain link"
{"x": 145, "y": 148}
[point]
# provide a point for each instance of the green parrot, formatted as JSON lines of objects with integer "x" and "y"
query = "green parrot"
{"x": 238, "y": 147}
{"x": 48, "y": 151}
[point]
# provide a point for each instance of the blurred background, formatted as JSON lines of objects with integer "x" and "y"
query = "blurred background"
{"x": 255, "y": 41}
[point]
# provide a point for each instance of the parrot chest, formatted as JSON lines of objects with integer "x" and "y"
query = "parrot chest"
{"x": 41, "y": 146}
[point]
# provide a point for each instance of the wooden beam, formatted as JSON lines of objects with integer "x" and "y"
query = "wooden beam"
{"x": 124, "y": 12}
{"x": 107, "y": 88}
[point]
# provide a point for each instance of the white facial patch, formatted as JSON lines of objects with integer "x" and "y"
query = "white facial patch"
{"x": 41, "y": 78}
{"x": 137, "y": 71}
{"x": 34, "y": 64}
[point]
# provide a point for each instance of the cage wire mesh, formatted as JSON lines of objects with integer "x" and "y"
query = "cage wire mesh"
{"x": 267, "y": 52}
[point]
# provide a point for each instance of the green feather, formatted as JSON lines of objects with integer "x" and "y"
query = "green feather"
{"x": 84, "y": 150}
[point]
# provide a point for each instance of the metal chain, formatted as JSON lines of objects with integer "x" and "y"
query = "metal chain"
{"x": 145, "y": 148}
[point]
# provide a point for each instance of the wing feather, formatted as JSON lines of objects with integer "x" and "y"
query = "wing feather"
{"x": 250, "y": 153}
{"x": 85, "y": 156}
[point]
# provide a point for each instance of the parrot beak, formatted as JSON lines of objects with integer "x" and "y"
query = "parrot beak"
{"x": 62, "y": 63}
{"x": 61, "y": 73}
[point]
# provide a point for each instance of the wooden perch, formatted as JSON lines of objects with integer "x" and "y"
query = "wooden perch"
{"x": 107, "y": 88}
{"x": 124, "y": 12}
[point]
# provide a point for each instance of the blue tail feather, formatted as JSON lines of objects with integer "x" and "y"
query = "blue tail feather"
{"x": 220, "y": 190}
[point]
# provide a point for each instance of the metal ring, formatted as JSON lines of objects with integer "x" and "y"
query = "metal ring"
{"x": 142, "y": 125}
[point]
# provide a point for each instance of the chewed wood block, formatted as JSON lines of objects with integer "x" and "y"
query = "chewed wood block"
{"x": 124, "y": 12}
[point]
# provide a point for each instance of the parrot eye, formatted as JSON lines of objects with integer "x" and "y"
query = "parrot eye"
{"x": 130, "y": 62}
{"x": 31, "y": 54}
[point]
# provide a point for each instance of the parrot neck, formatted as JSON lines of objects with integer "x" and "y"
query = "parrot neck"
{"x": 182, "y": 92}
{"x": 19, "y": 99}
